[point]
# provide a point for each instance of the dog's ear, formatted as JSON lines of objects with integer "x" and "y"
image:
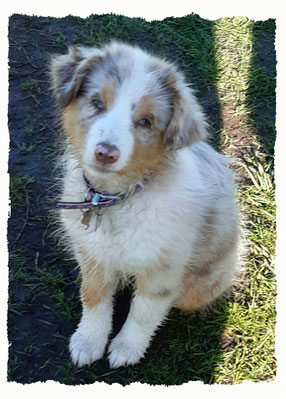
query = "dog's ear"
{"x": 68, "y": 72}
{"x": 188, "y": 123}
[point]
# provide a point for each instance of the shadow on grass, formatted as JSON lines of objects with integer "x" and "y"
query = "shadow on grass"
{"x": 261, "y": 101}
{"x": 44, "y": 308}
{"x": 186, "y": 348}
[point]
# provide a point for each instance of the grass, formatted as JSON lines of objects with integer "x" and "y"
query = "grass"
{"x": 28, "y": 85}
{"x": 242, "y": 83}
{"x": 231, "y": 64}
{"x": 19, "y": 187}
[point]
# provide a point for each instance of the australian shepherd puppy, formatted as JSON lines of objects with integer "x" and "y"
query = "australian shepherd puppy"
{"x": 143, "y": 196}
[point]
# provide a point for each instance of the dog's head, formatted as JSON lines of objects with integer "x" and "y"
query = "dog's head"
{"x": 124, "y": 109}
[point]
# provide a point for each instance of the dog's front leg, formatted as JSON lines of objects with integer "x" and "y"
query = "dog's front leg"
{"x": 150, "y": 305}
{"x": 88, "y": 342}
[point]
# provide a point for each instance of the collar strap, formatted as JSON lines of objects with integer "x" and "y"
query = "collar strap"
{"x": 98, "y": 199}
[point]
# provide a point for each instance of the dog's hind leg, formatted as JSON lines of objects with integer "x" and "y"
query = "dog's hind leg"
{"x": 202, "y": 287}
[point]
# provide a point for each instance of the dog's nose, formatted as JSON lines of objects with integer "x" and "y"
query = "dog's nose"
{"x": 106, "y": 152}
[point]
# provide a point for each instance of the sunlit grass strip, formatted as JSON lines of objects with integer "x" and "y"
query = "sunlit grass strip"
{"x": 233, "y": 38}
{"x": 252, "y": 317}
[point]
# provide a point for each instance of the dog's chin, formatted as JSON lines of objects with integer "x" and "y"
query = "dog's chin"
{"x": 100, "y": 171}
{"x": 105, "y": 178}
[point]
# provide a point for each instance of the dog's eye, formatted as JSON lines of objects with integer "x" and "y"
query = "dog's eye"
{"x": 98, "y": 104}
{"x": 144, "y": 122}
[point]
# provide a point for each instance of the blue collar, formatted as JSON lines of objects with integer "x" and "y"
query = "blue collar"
{"x": 97, "y": 199}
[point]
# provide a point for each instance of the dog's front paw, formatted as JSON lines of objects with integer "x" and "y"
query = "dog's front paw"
{"x": 124, "y": 353}
{"x": 84, "y": 351}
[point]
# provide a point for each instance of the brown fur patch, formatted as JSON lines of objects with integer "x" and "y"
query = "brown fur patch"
{"x": 144, "y": 108}
{"x": 144, "y": 158}
{"x": 141, "y": 284}
{"x": 73, "y": 128}
{"x": 70, "y": 120}
{"x": 197, "y": 291}
{"x": 149, "y": 148}
{"x": 204, "y": 262}
{"x": 108, "y": 94}
{"x": 207, "y": 267}
{"x": 93, "y": 287}
{"x": 197, "y": 295}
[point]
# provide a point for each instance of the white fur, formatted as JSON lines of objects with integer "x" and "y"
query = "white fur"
{"x": 160, "y": 222}
{"x": 160, "y": 235}
{"x": 88, "y": 343}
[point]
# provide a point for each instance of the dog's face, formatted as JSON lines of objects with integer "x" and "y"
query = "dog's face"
{"x": 123, "y": 109}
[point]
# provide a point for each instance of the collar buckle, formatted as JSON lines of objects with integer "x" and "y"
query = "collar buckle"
{"x": 95, "y": 200}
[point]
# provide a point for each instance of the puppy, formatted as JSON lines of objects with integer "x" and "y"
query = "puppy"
{"x": 143, "y": 196}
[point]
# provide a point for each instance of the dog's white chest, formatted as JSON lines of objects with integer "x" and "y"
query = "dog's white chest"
{"x": 123, "y": 240}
